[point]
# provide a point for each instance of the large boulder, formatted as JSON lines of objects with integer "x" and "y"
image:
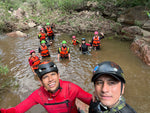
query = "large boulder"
{"x": 145, "y": 33}
{"x": 146, "y": 25}
{"x": 141, "y": 47}
{"x": 86, "y": 21}
{"x": 134, "y": 16}
{"x": 130, "y": 33}
{"x": 17, "y": 34}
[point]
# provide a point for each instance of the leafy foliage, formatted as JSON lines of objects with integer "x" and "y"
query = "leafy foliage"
{"x": 71, "y": 4}
{"x": 124, "y": 3}
{"x": 63, "y": 4}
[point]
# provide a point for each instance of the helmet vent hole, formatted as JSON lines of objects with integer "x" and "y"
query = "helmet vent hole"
{"x": 43, "y": 69}
{"x": 51, "y": 66}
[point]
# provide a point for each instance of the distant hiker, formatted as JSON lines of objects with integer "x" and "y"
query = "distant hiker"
{"x": 63, "y": 51}
{"x": 96, "y": 40}
{"x": 34, "y": 61}
{"x": 43, "y": 50}
{"x": 74, "y": 41}
{"x": 49, "y": 31}
{"x": 84, "y": 46}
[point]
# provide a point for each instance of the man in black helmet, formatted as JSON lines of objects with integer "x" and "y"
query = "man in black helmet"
{"x": 55, "y": 95}
{"x": 84, "y": 46}
{"x": 109, "y": 86}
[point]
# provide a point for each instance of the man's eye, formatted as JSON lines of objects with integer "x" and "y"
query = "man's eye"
{"x": 45, "y": 77}
{"x": 99, "y": 82}
{"x": 112, "y": 82}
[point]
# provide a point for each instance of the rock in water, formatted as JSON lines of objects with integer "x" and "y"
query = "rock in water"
{"x": 17, "y": 34}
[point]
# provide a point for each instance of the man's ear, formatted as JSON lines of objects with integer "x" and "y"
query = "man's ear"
{"x": 123, "y": 87}
{"x": 41, "y": 83}
{"x": 59, "y": 75}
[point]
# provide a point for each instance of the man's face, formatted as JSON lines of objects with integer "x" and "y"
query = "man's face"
{"x": 64, "y": 45}
{"x": 33, "y": 54}
{"x": 108, "y": 90}
{"x": 96, "y": 35}
{"x": 43, "y": 44}
{"x": 50, "y": 81}
{"x": 42, "y": 31}
{"x": 83, "y": 41}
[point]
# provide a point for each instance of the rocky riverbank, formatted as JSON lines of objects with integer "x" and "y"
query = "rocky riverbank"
{"x": 127, "y": 24}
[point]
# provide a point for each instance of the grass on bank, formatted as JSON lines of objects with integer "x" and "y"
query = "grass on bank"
{"x": 40, "y": 10}
{"x": 71, "y": 4}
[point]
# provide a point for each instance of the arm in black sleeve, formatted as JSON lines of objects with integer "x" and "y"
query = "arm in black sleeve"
{"x": 94, "y": 107}
{"x": 101, "y": 37}
{"x": 39, "y": 50}
{"x": 91, "y": 42}
{"x": 80, "y": 48}
{"x": 58, "y": 51}
{"x": 45, "y": 30}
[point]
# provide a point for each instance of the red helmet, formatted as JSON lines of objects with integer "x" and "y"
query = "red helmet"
{"x": 73, "y": 37}
{"x": 32, "y": 51}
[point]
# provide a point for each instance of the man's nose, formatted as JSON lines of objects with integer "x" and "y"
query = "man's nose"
{"x": 105, "y": 87}
{"x": 50, "y": 78}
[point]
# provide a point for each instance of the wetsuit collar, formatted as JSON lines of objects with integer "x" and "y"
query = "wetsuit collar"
{"x": 116, "y": 107}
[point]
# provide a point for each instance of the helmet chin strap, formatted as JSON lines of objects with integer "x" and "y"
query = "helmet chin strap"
{"x": 121, "y": 89}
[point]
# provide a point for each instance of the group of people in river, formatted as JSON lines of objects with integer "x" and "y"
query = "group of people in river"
{"x": 58, "y": 96}
{"x": 64, "y": 50}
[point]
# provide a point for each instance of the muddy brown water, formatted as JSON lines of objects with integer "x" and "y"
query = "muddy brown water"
{"x": 14, "y": 53}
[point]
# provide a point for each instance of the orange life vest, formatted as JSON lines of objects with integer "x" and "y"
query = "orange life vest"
{"x": 36, "y": 62}
{"x": 44, "y": 51}
{"x": 63, "y": 51}
{"x": 42, "y": 36}
{"x": 74, "y": 42}
{"x": 49, "y": 31}
{"x": 96, "y": 41}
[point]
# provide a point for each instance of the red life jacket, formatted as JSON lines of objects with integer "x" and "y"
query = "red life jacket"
{"x": 64, "y": 52}
{"x": 96, "y": 41}
{"x": 74, "y": 42}
{"x": 42, "y": 36}
{"x": 49, "y": 31}
{"x": 44, "y": 51}
{"x": 36, "y": 62}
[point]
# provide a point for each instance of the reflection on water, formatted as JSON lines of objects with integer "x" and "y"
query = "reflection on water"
{"x": 15, "y": 53}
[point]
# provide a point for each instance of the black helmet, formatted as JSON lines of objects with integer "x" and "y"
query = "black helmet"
{"x": 110, "y": 68}
{"x": 83, "y": 39}
{"x": 46, "y": 67}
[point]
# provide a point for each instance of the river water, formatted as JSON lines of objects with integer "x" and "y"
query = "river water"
{"x": 14, "y": 53}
